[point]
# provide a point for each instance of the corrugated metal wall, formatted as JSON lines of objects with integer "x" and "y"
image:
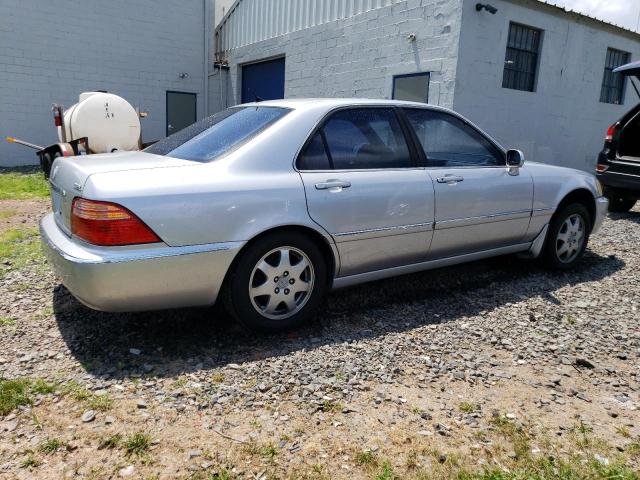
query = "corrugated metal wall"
{"x": 251, "y": 21}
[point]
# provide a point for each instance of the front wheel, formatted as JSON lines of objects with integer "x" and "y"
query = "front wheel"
{"x": 568, "y": 236}
{"x": 277, "y": 283}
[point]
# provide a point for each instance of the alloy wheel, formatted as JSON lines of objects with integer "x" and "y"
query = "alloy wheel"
{"x": 570, "y": 239}
{"x": 281, "y": 283}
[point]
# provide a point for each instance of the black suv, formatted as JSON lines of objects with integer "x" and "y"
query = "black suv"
{"x": 618, "y": 167}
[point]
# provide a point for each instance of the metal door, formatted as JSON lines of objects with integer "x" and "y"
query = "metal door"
{"x": 479, "y": 209}
{"x": 263, "y": 81}
{"x": 480, "y": 204}
{"x": 181, "y": 110}
{"x": 370, "y": 196}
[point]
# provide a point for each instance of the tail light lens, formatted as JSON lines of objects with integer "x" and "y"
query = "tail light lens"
{"x": 108, "y": 224}
{"x": 610, "y": 133}
{"x": 600, "y": 168}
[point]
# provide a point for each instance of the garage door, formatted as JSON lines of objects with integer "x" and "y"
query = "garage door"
{"x": 263, "y": 81}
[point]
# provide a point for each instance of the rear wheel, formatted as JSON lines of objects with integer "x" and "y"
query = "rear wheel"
{"x": 277, "y": 283}
{"x": 619, "y": 203}
{"x": 567, "y": 237}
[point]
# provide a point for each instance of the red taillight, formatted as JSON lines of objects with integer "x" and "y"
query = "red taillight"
{"x": 610, "y": 133}
{"x": 108, "y": 224}
{"x": 600, "y": 168}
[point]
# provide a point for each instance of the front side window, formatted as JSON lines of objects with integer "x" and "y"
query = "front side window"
{"x": 449, "y": 142}
{"x": 359, "y": 138}
{"x": 216, "y": 135}
{"x": 612, "y": 90}
{"x": 521, "y": 59}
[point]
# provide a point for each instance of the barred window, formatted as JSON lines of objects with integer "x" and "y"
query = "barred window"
{"x": 613, "y": 83}
{"x": 521, "y": 60}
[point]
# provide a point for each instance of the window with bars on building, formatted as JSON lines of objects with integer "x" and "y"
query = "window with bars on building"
{"x": 613, "y": 83}
{"x": 521, "y": 60}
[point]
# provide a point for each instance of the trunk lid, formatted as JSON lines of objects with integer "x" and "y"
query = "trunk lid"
{"x": 69, "y": 175}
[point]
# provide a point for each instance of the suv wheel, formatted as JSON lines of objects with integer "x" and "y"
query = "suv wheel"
{"x": 619, "y": 203}
{"x": 277, "y": 283}
{"x": 568, "y": 236}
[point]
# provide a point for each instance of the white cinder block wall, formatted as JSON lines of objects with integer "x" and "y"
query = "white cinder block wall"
{"x": 563, "y": 121}
{"x": 52, "y": 50}
{"x": 358, "y": 56}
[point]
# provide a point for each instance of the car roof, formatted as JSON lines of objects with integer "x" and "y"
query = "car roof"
{"x": 304, "y": 103}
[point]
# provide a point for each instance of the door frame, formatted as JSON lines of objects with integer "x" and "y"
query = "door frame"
{"x": 166, "y": 108}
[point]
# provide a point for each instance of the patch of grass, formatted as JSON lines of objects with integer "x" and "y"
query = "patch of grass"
{"x": 367, "y": 458}
{"x": 51, "y": 446}
{"x": 18, "y": 392}
{"x": 255, "y": 423}
{"x": 110, "y": 442}
{"x": 179, "y": 382}
{"x": 137, "y": 444}
{"x": 516, "y": 434}
{"x": 217, "y": 377}
{"x": 7, "y": 322}
{"x": 13, "y": 394}
{"x": 329, "y": 406}
{"x": 30, "y": 461}
{"x": 549, "y": 468}
{"x": 467, "y": 407}
{"x": 219, "y": 473}
{"x": 19, "y": 248}
{"x": 88, "y": 398}
{"x": 623, "y": 431}
{"x": 386, "y": 473}
{"x": 42, "y": 387}
{"x": 268, "y": 451}
{"x": 22, "y": 186}
{"x": 633, "y": 449}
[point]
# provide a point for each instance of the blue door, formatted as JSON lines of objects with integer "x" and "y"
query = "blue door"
{"x": 263, "y": 81}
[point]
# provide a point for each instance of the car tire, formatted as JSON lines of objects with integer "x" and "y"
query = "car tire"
{"x": 567, "y": 237}
{"x": 619, "y": 203}
{"x": 277, "y": 283}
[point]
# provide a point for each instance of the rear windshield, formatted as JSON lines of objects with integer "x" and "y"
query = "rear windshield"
{"x": 213, "y": 136}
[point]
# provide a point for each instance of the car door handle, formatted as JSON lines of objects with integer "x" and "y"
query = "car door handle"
{"x": 450, "y": 179}
{"x": 330, "y": 184}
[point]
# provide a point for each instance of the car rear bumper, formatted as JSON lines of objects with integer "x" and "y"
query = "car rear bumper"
{"x": 602, "y": 207}
{"x": 146, "y": 277}
{"x": 621, "y": 180}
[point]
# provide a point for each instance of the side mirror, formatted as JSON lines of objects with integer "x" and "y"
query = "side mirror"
{"x": 515, "y": 158}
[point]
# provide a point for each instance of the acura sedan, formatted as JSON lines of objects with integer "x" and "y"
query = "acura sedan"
{"x": 268, "y": 206}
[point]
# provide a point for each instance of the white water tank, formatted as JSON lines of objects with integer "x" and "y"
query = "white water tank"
{"x": 107, "y": 120}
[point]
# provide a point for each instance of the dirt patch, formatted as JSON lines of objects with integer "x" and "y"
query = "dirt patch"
{"x": 23, "y": 214}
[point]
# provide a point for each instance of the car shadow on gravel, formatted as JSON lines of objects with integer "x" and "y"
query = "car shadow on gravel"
{"x": 170, "y": 343}
{"x": 633, "y": 216}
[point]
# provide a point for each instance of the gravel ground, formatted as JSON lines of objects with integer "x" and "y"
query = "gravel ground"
{"x": 412, "y": 371}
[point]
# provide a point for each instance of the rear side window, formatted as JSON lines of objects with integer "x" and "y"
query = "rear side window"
{"x": 356, "y": 139}
{"x": 314, "y": 156}
{"x": 213, "y": 136}
{"x": 449, "y": 142}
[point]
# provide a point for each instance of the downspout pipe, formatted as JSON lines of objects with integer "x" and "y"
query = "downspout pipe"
{"x": 207, "y": 11}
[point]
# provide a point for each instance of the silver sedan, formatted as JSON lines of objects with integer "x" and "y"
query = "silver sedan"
{"x": 268, "y": 206}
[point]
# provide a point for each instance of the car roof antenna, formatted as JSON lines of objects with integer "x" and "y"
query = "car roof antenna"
{"x": 260, "y": 99}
